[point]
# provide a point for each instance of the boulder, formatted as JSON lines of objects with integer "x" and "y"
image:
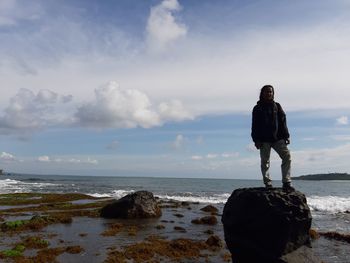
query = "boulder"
{"x": 210, "y": 209}
{"x": 262, "y": 225}
{"x": 141, "y": 204}
{"x": 206, "y": 220}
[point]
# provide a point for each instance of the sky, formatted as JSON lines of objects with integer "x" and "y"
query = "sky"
{"x": 165, "y": 88}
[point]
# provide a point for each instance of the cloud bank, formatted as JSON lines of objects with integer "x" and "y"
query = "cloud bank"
{"x": 112, "y": 107}
{"x": 48, "y": 159}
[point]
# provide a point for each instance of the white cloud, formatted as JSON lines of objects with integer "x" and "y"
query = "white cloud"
{"x": 211, "y": 156}
{"x": 7, "y": 157}
{"x": 343, "y": 120}
{"x": 114, "y": 107}
{"x": 230, "y": 155}
{"x": 91, "y": 161}
{"x": 174, "y": 111}
{"x": 73, "y": 160}
{"x": 162, "y": 28}
{"x": 309, "y": 139}
{"x": 44, "y": 158}
{"x": 196, "y": 157}
{"x": 126, "y": 108}
{"x": 28, "y": 111}
{"x": 179, "y": 141}
{"x": 79, "y": 161}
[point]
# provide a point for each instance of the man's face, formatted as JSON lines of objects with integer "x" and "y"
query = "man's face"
{"x": 267, "y": 94}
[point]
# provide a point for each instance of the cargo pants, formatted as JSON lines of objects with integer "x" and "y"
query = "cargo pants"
{"x": 282, "y": 150}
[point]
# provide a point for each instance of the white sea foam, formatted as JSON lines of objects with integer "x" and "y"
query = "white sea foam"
{"x": 184, "y": 197}
{"x": 10, "y": 186}
{"x": 115, "y": 194}
{"x": 121, "y": 193}
{"x": 214, "y": 199}
{"x": 100, "y": 195}
{"x": 15, "y": 186}
{"x": 329, "y": 204}
{"x": 8, "y": 181}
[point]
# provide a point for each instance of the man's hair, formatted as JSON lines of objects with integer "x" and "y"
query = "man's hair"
{"x": 264, "y": 88}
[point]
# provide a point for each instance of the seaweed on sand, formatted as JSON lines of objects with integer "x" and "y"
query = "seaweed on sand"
{"x": 156, "y": 248}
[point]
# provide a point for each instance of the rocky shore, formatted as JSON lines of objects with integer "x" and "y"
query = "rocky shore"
{"x": 69, "y": 228}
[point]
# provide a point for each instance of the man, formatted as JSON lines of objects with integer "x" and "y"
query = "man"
{"x": 269, "y": 130}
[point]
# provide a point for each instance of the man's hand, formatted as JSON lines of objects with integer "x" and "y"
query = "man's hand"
{"x": 287, "y": 141}
{"x": 258, "y": 145}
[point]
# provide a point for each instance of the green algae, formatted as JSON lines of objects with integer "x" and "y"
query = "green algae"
{"x": 15, "y": 252}
{"x": 39, "y": 198}
{"x": 44, "y": 254}
{"x": 35, "y": 223}
{"x": 10, "y": 253}
{"x": 34, "y": 242}
{"x": 12, "y": 225}
{"x": 44, "y": 203}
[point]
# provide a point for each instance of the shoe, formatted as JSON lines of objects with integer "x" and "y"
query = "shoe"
{"x": 268, "y": 186}
{"x": 287, "y": 187}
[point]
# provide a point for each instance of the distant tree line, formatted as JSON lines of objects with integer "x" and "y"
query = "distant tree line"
{"x": 328, "y": 176}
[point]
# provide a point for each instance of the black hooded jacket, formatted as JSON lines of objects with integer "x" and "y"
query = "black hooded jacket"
{"x": 269, "y": 122}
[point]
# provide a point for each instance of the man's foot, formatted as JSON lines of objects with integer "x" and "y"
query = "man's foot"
{"x": 268, "y": 186}
{"x": 287, "y": 187}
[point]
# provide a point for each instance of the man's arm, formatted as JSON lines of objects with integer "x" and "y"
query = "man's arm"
{"x": 283, "y": 124}
{"x": 255, "y": 128}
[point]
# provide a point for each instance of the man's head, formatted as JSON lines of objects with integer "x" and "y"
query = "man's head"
{"x": 267, "y": 93}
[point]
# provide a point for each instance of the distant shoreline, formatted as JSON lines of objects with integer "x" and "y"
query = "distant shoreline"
{"x": 319, "y": 177}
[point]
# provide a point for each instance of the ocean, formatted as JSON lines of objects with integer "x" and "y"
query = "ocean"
{"x": 329, "y": 201}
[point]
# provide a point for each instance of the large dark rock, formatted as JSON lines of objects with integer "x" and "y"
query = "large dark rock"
{"x": 262, "y": 225}
{"x": 141, "y": 204}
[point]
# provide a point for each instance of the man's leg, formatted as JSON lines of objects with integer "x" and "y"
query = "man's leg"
{"x": 265, "y": 151}
{"x": 282, "y": 150}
